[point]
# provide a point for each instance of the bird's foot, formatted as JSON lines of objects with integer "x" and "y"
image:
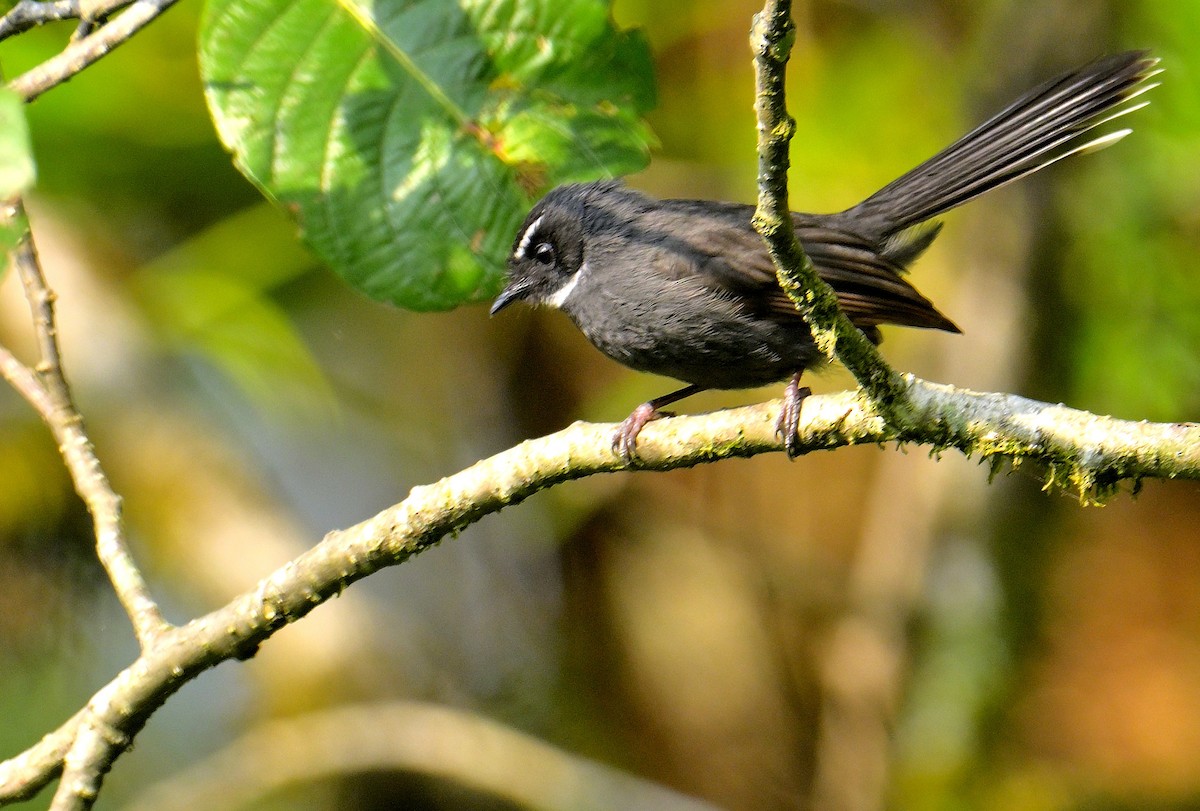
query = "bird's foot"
{"x": 624, "y": 442}
{"x": 787, "y": 427}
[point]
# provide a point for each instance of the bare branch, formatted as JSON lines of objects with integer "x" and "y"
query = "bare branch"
{"x": 95, "y": 748}
{"x": 83, "y": 52}
{"x": 29, "y": 14}
{"x": 46, "y": 389}
{"x": 22, "y": 378}
{"x": 24, "y": 775}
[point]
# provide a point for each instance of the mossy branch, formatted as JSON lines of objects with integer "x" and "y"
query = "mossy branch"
{"x": 771, "y": 39}
{"x": 1090, "y": 453}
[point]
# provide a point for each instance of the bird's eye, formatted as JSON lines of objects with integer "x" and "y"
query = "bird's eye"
{"x": 544, "y": 253}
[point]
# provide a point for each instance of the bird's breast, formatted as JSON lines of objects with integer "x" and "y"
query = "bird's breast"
{"x": 681, "y": 329}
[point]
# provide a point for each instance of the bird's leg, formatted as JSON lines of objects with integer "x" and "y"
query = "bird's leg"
{"x": 625, "y": 439}
{"x": 787, "y": 427}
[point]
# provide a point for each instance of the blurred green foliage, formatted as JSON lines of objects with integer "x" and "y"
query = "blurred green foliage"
{"x": 1132, "y": 287}
{"x": 17, "y": 172}
{"x": 197, "y": 302}
{"x": 16, "y": 161}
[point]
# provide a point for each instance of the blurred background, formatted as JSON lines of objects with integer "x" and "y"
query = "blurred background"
{"x": 867, "y": 628}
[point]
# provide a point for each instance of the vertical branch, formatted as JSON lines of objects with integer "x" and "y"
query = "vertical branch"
{"x": 771, "y": 39}
{"x": 45, "y": 388}
{"x": 846, "y": 715}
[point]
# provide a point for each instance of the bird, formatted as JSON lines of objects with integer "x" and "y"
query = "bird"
{"x": 686, "y": 288}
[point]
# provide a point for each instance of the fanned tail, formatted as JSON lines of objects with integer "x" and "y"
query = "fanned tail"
{"x": 1044, "y": 126}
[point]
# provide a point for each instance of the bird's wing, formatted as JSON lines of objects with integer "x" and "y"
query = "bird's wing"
{"x": 734, "y": 260}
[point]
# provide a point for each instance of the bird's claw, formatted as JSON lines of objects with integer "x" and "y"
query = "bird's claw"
{"x": 787, "y": 427}
{"x": 624, "y": 443}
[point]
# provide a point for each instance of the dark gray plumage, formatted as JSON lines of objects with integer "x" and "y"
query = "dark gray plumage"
{"x": 685, "y": 288}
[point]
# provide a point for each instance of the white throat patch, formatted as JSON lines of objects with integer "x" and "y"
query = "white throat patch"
{"x": 560, "y": 296}
{"x": 526, "y": 238}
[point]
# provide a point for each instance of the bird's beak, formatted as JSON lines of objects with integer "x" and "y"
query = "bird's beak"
{"x": 516, "y": 290}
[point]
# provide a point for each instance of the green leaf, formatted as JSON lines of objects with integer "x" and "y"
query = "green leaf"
{"x": 409, "y": 137}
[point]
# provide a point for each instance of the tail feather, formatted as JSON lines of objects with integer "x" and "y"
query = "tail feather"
{"x": 1042, "y": 127}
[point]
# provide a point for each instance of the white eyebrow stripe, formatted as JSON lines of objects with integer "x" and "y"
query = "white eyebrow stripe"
{"x": 559, "y": 298}
{"x": 526, "y": 238}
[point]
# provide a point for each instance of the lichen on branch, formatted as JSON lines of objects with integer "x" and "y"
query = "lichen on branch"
{"x": 771, "y": 39}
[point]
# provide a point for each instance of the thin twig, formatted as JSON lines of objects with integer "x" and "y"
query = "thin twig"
{"x": 81, "y": 53}
{"x": 29, "y": 14}
{"x": 85, "y": 28}
{"x": 771, "y": 39}
{"x": 22, "y": 378}
{"x": 23, "y": 776}
{"x": 46, "y": 389}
